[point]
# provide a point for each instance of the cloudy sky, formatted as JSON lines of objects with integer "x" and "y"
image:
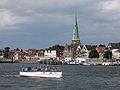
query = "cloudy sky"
{"x": 43, "y": 23}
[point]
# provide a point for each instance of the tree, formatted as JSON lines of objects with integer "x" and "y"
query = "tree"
{"x": 93, "y": 54}
{"x": 56, "y": 47}
{"x": 108, "y": 54}
{"x": 7, "y": 49}
{"x": 21, "y": 50}
{"x": 17, "y": 49}
{"x": 6, "y": 52}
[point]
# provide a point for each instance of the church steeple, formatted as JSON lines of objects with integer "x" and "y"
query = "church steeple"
{"x": 75, "y": 38}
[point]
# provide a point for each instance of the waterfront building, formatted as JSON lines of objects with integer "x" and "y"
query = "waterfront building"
{"x": 115, "y": 48}
{"x": 112, "y": 46}
{"x": 86, "y": 49}
{"x": 18, "y": 54}
{"x": 78, "y": 52}
{"x": 51, "y": 57}
{"x": 50, "y": 54}
{"x": 30, "y": 55}
{"x": 1, "y": 54}
{"x": 69, "y": 52}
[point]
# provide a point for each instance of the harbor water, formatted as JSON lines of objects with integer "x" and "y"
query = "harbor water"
{"x": 75, "y": 77}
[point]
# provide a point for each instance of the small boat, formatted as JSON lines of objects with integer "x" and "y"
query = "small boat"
{"x": 41, "y": 71}
{"x": 106, "y": 63}
{"x": 72, "y": 62}
{"x": 86, "y": 63}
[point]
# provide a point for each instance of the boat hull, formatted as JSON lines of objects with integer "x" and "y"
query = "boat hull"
{"x": 42, "y": 74}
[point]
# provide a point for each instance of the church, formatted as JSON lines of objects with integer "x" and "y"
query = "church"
{"x": 76, "y": 51}
{"x": 70, "y": 51}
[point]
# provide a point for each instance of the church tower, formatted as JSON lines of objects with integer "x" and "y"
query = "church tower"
{"x": 75, "y": 38}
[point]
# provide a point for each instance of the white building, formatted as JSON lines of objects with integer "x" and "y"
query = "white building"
{"x": 116, "y": 53}
{"x": 50, "y": 54}
{"x": 115, "y": 48}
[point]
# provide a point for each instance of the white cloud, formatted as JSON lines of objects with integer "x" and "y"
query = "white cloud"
{"x": 9, "y": 19}
{"x": 111, "y": 5}
{"x": 3, "y": 2}
{"x": 53, "y": 3}
{"x": 40, "y": 3}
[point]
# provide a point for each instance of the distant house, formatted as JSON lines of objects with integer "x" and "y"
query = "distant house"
{"x": 1, "y": 54}
{"x": 83, "y": 50}
{"x": 40, "y": 55}
{"x": 89, "y": 48}
{"x": 50, "y": 54}
{"x": 116, "y": 53}
{"x": 70, "y": 52}
{"x": 30, "y": 55}
{"x": 31, "y": 52}
{"x": 115, "y": 48}
{"x": 18, "y": 55}
{"x": 77, "y": 51}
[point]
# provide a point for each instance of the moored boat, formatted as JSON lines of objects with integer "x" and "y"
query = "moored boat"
{"x": 106, "y": 63}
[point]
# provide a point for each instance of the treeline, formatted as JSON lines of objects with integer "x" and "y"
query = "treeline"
{"x": 56, "y": 47}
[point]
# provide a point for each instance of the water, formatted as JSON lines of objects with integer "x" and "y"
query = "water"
{"x": 75, "y": 77}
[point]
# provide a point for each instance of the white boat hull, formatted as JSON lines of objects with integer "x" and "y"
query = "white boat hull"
{"x": 42, "y": 74}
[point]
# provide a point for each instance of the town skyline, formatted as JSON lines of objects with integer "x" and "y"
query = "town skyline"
{"x": 31, "y": 24}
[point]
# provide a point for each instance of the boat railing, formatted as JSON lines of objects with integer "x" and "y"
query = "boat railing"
{"x": 41, "y": 69}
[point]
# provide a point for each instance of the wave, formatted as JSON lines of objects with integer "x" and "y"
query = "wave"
{"x": 9, "y": 75}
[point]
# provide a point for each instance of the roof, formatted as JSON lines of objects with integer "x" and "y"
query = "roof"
{"x": 31, "y": 50}
{"x": 90, "y": 47}
{"x": 114, "y": 45}
{"x": 75, "y": 31}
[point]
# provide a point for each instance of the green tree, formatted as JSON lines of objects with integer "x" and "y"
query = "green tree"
{"x": 7, "y": 49}
{"x": 108, "y": 54}
{"x": 6, "y": 52}
{"x": 17, "y": 49}
{"x": 93, "y": 54}
{"x": 21, "y": 50}
{"x": 56, "y": 47}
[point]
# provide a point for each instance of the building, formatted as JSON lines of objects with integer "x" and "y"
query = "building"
{"x": 69, "y": 52}
{"x": 30, "y": 55}
{"x": 115, "y": 48}
{"x": 75, "y": 38}
{"x": 18, "y": 54}
{"x": 85, "y": 50}
{"x": 50, "y": 54}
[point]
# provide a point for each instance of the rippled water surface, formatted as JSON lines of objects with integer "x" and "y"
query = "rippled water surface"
{"x": 75, "y": 77}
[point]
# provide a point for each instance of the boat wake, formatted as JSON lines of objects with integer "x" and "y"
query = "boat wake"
{"x": 9, "y": 75}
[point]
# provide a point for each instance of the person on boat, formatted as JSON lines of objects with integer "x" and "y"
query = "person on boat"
{"x": 45, "y": 69}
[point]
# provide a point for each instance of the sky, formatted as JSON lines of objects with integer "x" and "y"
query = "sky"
{"x": 42, "y": 23}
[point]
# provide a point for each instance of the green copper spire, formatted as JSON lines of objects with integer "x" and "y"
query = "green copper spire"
{"x": 75, "y": 32}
